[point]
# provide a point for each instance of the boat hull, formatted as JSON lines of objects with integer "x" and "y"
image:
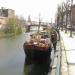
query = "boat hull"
{"x": 36, "y": 54}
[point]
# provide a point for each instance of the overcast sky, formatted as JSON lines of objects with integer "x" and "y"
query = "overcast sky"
{"x": 46, "y": 8}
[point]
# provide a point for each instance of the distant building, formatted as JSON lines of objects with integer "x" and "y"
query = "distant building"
{"x": 5, "y": 14}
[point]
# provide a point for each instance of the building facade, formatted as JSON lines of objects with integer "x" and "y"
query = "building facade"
{"x": 4, "y": 15}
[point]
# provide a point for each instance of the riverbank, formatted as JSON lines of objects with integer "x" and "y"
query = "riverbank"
{"x": 6, "y": 35}
{"x": 3, "y": 35}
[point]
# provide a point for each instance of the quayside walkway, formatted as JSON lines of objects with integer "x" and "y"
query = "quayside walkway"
{"x": 64, "y": 59}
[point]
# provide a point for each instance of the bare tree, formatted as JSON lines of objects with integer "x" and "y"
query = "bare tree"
{"x": 66, "y": 7}
{"x": 71, "y": 18}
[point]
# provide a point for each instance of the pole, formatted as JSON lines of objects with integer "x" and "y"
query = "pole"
{"x": 39, "y": 24}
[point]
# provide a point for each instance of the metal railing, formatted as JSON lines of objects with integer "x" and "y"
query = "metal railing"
{"x": 58, "y": 66}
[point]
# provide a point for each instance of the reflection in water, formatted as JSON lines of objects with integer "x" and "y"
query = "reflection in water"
{"x": 36, "y": 69}
{"x": 12, "y": 57}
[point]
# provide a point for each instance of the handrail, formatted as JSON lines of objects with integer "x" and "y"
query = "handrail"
{"x": 58, "y": 66}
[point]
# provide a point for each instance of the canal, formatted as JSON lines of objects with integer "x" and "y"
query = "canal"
{"x": 12, "y": 56}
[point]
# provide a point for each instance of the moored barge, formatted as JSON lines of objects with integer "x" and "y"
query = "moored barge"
{"x": 38, "y": 49}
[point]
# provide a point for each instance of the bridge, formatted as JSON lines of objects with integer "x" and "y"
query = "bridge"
{"x": 34, "y": 26}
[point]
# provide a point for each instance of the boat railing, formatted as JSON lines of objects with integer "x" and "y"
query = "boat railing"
{"x": 58, "y": 65}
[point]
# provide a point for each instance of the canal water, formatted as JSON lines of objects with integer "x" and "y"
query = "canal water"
{"x": 12, "y": 56}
